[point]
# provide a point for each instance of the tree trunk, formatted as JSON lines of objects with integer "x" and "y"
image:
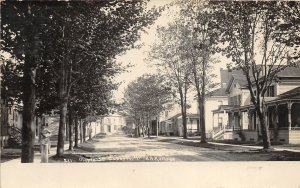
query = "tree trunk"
{"x": 71, "y": 123}
{"x": 138, "y": 131}
{"x": 157, "y": 125}
{"x": 76, "y": 133}
{"x": 202, "y": 101}
{"x": 90, "y": 130}
{"x": 202, "y": 123}
{"x": 28, "y": 126}
{"x": 63, "y": 110}
{"x": 148, "y": 125}
{"x": 200, "y": 115}
{"x": 84, "y": 131}
{"x": 81, "y": 130}
{"x": 265, "y": 130}
{"x": 202, "y": 118}
{"x": 143, "y": 131}
{"x": 61, "y": 129}
{"x": 67, "y": 127}
{"x": 184, "y": 124}
{"x": 183, "y": 113}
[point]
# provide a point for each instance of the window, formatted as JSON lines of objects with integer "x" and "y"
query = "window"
{"x": 235, "y": 100}
{"x": 166, "y": 113}
{"x": 220, "y": 122}
{"x": 115, "y": 127}
{"x": 220, "y": 103}
{"x": 270, "y": 91}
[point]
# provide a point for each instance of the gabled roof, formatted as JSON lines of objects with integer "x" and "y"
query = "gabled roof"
{"x": 218, "y": 92}
{"x": 189, "y": 115}
{"x": 290, "y": 93}
{"x": 226, "y": 74}
{"x": 237, "y": 78}
{"x": 225, "y": 108}
{"x": 240, "y": 79}
{"x": 290, "y": 72}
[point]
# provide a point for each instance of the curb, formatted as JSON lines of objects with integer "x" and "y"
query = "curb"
{"x": 234, "y": 145}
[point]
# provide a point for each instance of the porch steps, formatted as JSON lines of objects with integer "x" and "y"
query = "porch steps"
{"x": 218, "y": 134}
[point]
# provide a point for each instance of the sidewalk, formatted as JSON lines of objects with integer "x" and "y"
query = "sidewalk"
{"x": 291, "y": 148}
{"x": 37, "y": 155}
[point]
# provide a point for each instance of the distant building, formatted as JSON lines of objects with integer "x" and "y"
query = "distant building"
{"x": 112, "y": 123}
{"x": 171, "y": 121}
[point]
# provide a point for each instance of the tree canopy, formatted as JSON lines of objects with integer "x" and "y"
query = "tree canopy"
{"x": 145, "y": 97}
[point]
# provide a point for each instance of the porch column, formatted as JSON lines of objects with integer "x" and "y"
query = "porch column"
{"x": 213, "y": 120}
{"x": 224, "y": 115}
{"x": 249, "y": 119}
{"x": 290, "y": 115}
{"x": 240, "y": 119}
{"x": 276, "y": 117}
{"x": 218, "y": 120}
{"x": 275, "y": 135}
{"x": 233, "y": 120}
{"x": 267, "y": 117}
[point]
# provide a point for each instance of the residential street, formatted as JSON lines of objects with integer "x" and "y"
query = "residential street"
{"x": 123, "y": 148}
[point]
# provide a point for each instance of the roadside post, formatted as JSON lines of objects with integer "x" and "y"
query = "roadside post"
{"x": 45, "y": 139}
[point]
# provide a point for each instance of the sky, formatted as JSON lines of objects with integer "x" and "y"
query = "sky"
{"x": 136, "y": 57}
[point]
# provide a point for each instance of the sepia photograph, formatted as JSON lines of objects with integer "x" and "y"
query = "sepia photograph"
{"x": 145, "y": 93}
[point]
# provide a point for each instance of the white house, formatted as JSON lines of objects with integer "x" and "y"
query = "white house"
{"x": 110, "y": 124}
{"x": 282, "y": 115}
{"x": 216, "y": 117}
{"x": 214, "y": 121}
{"x": 171, "y": 120}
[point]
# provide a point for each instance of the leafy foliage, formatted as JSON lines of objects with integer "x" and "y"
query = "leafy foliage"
{"x": 146, "y": 96}
{"x": 258, "y": 41}
{"x": 68, "y": 48}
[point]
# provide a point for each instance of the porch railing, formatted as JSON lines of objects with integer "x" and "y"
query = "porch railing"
{"x": 287, "y": 128}
{"x": 217, "y": 133}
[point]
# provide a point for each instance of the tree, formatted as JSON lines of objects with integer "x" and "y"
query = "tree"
{"x": 78, "y": 42}
{"x": 146, "y": 97}
{"x": 81, "y": 43}
{"x": 198, "y": 38}
{"x": 287, "y": 25}
{"x": 22, "y": 42}
{"x": 166, "y": 55}
{"x": 90, "y": 97}
{"x": 249, "y": 28}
